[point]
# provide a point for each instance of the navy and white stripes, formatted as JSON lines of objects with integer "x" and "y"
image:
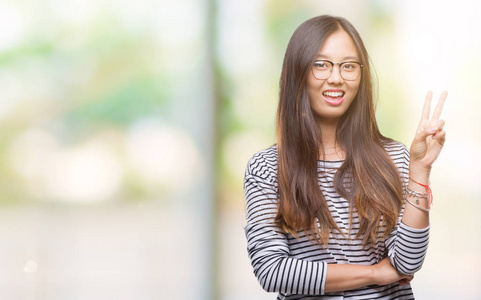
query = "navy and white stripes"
{"x": 295, "y": 267}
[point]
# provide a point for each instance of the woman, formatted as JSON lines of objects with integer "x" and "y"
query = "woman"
{"x": 335, "y": 209}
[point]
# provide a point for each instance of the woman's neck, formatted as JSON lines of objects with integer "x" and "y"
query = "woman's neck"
{"x": 331, "y": 150}
{"x": 328, "y": 131}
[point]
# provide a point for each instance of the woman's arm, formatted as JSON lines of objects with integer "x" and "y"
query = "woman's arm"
{"x": 408, "y": 243}
{"x": 407, "y": 246}
{"x": 425, "y": 148}
{"x": 342, "y": 277}
{"x": 267, "y": 245}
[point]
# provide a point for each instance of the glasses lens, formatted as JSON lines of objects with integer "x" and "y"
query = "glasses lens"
{"x": 322, "y": 69}
{"x": 350, "y": 70}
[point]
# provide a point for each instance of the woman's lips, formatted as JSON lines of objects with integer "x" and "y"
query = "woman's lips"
{"x": 333, "y": 100}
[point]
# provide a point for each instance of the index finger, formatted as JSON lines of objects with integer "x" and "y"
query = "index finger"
{"x": 427, "y": 106}
{"x": 439, "y": 106}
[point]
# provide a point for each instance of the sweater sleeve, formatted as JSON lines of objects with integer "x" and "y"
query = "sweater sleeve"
{"x": 267, "y": 245}
{"x": 407, "y": 246}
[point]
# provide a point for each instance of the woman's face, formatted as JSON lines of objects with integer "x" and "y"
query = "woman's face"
{"x": 330, "y": 98}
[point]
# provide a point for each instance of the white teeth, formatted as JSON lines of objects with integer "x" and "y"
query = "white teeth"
{"x": 333, "y": 94}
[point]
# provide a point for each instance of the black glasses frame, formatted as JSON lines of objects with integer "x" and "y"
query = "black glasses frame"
{"x": 340, "y": 68}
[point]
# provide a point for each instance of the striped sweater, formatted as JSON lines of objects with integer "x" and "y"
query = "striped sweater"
{"x": 296, "y": 268}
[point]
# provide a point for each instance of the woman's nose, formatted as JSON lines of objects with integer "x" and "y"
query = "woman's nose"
{"x": 335, "y": 77}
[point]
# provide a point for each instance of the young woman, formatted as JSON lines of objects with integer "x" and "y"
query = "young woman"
{"x": 335, "y": 209}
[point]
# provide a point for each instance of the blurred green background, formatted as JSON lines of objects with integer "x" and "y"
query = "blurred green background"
{"x": 126, "y": 126}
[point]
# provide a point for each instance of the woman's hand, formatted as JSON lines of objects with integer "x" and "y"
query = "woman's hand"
{"x": 430, "y": 136}
{"x": 384, "y": 273}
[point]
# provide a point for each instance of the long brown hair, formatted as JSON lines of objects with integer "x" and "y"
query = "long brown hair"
{"x": 374, "y": 188}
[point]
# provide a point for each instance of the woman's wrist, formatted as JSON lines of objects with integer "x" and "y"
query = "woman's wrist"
{"x": 374, "y": 274}
{"x": 419, "y": 172}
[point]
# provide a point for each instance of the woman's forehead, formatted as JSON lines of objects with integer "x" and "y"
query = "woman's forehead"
{"x": 338, "y": 46}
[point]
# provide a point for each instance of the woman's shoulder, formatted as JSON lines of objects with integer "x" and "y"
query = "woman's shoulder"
{"x": 394, "y": 148}
{"x": 263, "y": 164}
{"x": 398, "y": 152}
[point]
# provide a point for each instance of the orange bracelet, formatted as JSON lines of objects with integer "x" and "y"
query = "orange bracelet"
{"x": 430, "y": 193}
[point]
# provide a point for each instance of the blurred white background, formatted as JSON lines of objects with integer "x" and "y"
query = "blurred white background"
{"x": 125, "y": 129}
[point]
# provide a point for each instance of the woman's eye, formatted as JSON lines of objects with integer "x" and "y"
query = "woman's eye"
{"x": 349, "y": 67}
{"x": 320, "y": 65}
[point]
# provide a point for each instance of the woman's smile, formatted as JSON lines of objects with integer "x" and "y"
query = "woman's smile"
{"x": 333, "y": 96}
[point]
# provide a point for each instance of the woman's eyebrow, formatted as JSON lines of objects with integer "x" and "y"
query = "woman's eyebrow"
{"x": 344, "y": 59}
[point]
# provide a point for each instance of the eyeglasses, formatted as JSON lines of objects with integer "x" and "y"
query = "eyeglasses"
{"x": 349, "y": 70}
